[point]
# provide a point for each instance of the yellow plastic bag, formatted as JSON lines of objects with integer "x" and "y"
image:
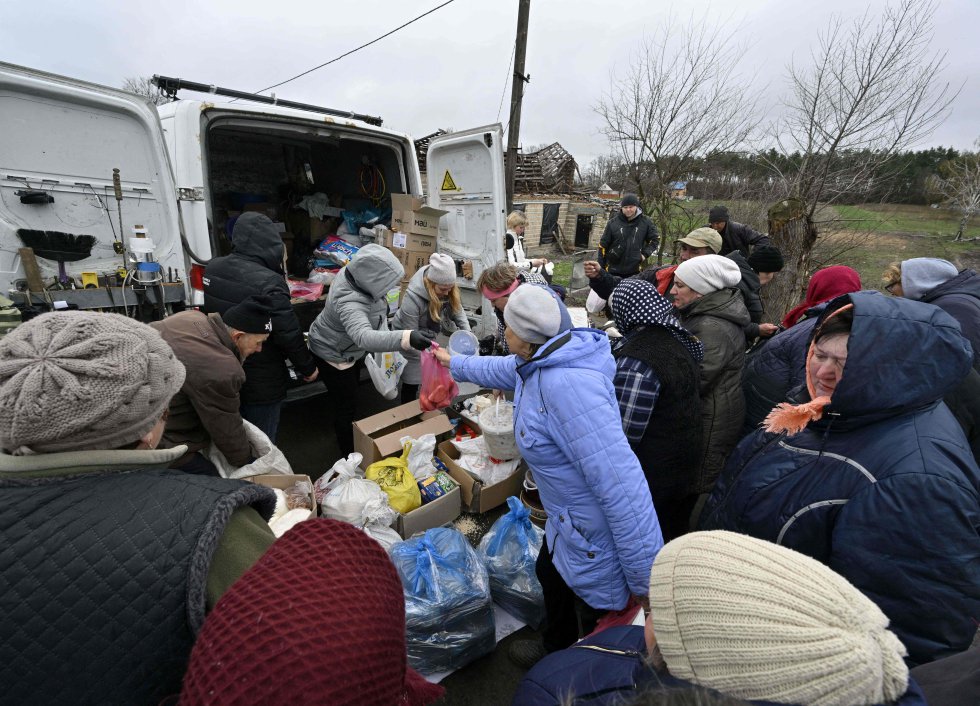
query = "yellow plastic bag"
{"x": 397, "y": 481}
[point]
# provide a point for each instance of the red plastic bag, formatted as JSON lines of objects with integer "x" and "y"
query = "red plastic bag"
{"x": 438, "y": 387}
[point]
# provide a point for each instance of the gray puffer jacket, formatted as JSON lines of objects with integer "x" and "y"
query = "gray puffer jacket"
{"x": 718, "y": 320}
{"x": 355, "y": 318}
{"x": 413, "y": 313}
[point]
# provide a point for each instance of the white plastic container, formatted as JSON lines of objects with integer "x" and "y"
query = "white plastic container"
{"x": 497, "y": 424}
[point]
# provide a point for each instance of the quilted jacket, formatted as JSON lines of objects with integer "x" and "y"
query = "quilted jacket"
{"x": 883, "y": 489}
{"x": 602, "y": 528}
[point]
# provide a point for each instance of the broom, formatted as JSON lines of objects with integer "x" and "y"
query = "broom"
{"x": 55, "y": 245}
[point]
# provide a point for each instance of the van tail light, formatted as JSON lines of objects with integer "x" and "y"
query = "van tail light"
{"x": 197, "y": 277}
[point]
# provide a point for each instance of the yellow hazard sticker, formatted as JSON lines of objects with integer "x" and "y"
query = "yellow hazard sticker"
{"x": 448, "y": 184}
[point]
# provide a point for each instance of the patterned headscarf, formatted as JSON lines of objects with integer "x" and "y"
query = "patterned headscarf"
{"x": 636, "y": 302}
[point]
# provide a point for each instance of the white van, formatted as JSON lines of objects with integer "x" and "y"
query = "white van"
{"x": 187, "y": 166}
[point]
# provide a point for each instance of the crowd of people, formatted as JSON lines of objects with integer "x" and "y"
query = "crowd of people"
{"x": 795, "y": 505}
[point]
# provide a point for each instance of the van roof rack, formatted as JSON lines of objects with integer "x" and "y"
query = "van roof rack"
{"x": 169, "y": 86}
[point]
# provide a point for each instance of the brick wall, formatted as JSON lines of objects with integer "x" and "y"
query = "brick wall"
{"x": 568, "y": 213}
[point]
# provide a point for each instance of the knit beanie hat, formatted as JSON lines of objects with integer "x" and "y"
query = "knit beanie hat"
{"x": 922, "y": 274}
{"x": 254, "y": 315}
{"x": 758, "y": 621}
{"x": 708, "y": 273}
{"x": 79, "y": 380}
{"x": 442, "y": 269}
{"x": 766, "y": 258}
{"x": 717, "y": 214}
{"x": 703, "y": 238}
{"x": 535, "y": 314}
{"x": 630, "y": 200}
{"x": 319, "y": 619}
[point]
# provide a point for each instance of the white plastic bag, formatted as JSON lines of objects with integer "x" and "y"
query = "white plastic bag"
{"x": 343, "y": 470}
{"x": 360, "y": 502}
{"x": 474, "y": 457}
{"x": 383, "y": 535}
{"x": 594, "y": 304}
{"x": 420, "y": 455}
{"x": 385, "y": 370}
{"x": 268, "y": 457}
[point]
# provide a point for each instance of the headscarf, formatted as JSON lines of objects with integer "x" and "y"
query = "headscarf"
{"x": 636, "y": 302}
{"x": 825, "y": 284}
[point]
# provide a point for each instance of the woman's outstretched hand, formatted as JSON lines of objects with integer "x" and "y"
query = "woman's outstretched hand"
{"x": 442, "y": 355}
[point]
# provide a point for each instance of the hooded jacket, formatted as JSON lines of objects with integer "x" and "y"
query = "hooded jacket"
{"x": 883, "y": 489}
{"x": 355, "y": 318}
{"x": 718, "y": 320}
{"x": 602, "y": 529}
{"x": 255, "y": 267}
{"x": 749, "y": 288}
{"x": 413, "y": 313}
{"x": 626, "y": 243}
{"x": 960, "y": 298}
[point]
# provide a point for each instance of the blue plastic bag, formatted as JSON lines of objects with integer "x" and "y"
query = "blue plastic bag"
{"x": 448, "y": 610}
{"x": 509, "y": 551}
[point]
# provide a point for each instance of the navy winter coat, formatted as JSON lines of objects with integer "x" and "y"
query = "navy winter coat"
{"x": 960, "y": 298}
{"x": 883, "y": 489}
{"x": 602, "y": 528}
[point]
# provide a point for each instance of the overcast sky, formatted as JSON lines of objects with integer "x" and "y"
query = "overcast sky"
{"x": 450, "y": 69}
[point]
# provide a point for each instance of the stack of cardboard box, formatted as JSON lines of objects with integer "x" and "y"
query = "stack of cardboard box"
{"x": 414, "y": 232}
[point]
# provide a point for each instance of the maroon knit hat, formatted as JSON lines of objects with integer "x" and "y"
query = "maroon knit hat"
{"x": 319, "y": 619}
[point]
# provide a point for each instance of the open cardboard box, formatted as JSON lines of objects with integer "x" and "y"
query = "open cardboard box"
{"x": 284, "y": 482}
{"x": 434, "y": 513}
{"x": 412, "y": 216}
{"x": 377, "y": 437}
{"x": 476, "y": 496}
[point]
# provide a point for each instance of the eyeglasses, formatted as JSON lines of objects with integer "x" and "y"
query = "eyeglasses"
{"x": 890, "y": 288}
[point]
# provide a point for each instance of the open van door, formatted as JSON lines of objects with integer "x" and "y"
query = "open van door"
{"x": 465, "y": 176}
{"x": 60, "y": 141}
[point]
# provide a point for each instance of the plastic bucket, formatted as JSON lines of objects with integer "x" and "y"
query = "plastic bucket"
{"x": 464, "y": 343}
{"x": 497, "y": 424}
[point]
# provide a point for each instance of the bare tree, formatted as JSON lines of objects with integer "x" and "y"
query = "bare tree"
{"x": 872, "y": 89}
{"x": 662, "y": 115}
{"x": 959, "y": 183}
{"x": 143, "y": 86}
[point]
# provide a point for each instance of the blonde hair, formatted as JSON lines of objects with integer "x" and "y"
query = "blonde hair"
{"x": 435, "y": 302}
{"x": 892, "y": 274}
{"x": 498, "y": 277}
{"x": 515, "y": 219}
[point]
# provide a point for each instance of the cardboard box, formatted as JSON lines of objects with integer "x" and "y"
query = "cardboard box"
{"x": 433, "y": 514}
{"x": 476, "y": 496}
{"x": 283, "y": 482}
{"x": 411, "y": 216}
{"x": 377, "y": 437}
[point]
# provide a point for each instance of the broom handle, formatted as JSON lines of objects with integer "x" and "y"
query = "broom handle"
{"x": 117, "y": 188}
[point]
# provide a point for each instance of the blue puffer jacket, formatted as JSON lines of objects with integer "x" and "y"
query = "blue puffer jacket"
{"x": 602, "y": 528}
{"x": 883, "y": 489}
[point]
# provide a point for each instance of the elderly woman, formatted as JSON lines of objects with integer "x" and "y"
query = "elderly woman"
{"x": 497, "y": 283}
{"x": 709, "y": 306}
{"x": 871, "y": 474}
{"x": 602, "y": 532}
{"x": 431, "y": 302}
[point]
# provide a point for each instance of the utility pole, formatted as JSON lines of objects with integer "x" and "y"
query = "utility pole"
{"x": 516, "y": 96}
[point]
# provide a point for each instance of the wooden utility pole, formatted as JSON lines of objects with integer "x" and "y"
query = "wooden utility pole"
{"x": 516, "y": 96}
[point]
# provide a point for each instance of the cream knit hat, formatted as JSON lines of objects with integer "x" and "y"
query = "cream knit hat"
{"x": 759, "y": 621}
{"x": 708, "y": 273}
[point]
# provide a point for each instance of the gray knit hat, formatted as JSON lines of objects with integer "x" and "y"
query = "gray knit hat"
{"x": 74, "y": 381}
{"x": 534, "y": 313}
{"x": 761, "y": 622}
{"x": 442, "y": 269}
{"x": 922, "y": 274}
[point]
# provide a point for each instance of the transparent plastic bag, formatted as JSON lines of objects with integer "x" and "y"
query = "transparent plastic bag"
{"x": 438, "y": 387}
{"x": 509, "y": 551}
{"x": 448, "y": 611}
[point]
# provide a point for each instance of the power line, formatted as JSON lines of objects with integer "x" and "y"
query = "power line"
{"x": 387, "y": 34}
{"x": 506, "y": 81}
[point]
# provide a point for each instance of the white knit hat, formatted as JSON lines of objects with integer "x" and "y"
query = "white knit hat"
{"x": 708, "y": 273}
{"x": 442, "y": 269}
{"x": 534, "y": 314}
{"x": 758, "y": 621}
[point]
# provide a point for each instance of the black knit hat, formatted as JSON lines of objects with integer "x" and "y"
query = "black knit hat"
{"x": 718, "y": 214}
{"x": 254, "y": 315}
{"x": 766, "y": 258}
{"x": 630, "y": 200}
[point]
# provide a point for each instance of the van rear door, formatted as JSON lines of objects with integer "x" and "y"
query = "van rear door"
{"x": 64, "y": 137}
{"x": 465, "y": 176}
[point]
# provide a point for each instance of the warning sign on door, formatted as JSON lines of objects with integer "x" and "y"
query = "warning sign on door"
{"x": 448, "y": 184}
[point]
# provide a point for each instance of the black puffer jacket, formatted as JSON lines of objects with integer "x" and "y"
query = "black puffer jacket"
{"x": 255, "y": 267}
{"x": 627, "y": 243}
{"x": 738, "y": 236}
{"x": 718, "y": 320}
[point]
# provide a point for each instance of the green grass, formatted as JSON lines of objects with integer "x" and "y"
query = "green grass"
{"x": 900, "y": 218}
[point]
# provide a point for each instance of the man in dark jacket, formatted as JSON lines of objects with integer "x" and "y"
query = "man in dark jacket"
{"x": 212, "y": 348}
{"x": 735, "y": 236}
{"x": 255, "y": 267}
{"x": 629, "y": 239}
{"x": 757, "y": 271}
